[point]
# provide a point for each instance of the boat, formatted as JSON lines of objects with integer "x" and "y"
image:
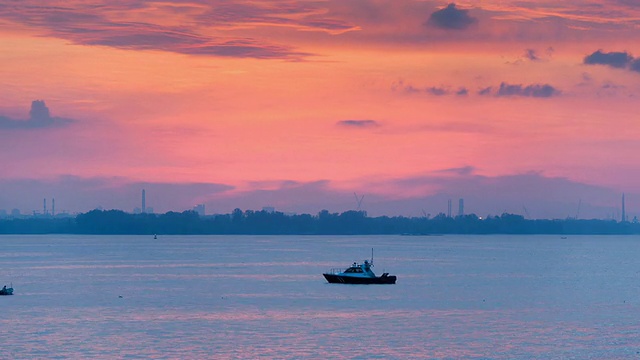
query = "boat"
{"x": 358, "y": 274}
{"x": 6, "y": 290}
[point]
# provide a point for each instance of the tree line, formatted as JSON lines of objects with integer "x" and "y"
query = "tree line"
{"x": 324, "y": 223}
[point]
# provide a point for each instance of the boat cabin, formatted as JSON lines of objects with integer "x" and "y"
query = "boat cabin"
{"x": 363, "y": 269}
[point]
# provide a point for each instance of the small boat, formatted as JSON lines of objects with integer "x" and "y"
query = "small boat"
{"x": 6, "y": 290}
{"x": 358, "y": 274}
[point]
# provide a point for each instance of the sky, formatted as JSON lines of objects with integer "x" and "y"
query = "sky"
{"x": 519, "y": 106}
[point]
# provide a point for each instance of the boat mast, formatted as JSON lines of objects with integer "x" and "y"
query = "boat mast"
{"x": 371, "y": 256}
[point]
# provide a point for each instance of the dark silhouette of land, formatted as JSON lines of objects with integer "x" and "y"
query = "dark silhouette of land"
{"x": 324, "y": 223}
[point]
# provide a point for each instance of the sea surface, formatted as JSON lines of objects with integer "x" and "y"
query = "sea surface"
{"x": 250, "y": 297}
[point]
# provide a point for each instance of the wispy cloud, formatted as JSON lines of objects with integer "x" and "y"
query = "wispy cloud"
{"x": 39, "y": 117}
{"x": 456, "y": 127}
{"x": 533, "y": 90}
{"x": 302, "y": 15}
{"x": 531, "y": 55}
{"x": 204, "y": 29}
{"x": 485, "y": 91}
{"x": 545, "y": 197}
{"x": 503, "y": 90}
{"x": 272, "y": 29}
{"x": 463, "y": 91}
{"x": 437, "y": 91}
{"x": 461, "y": 171}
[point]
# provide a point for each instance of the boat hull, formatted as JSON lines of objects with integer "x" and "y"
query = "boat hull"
{"x": 340, "y": 279}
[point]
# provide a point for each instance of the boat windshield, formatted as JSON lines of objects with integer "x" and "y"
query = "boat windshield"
{"x": 353, "y": 270}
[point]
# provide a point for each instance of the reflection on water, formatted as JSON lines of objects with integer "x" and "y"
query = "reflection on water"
{"x": 465, "y": 297}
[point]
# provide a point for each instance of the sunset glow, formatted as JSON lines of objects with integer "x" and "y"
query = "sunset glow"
{"x": 298, "y": 104}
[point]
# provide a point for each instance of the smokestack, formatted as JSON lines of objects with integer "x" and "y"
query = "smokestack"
{"x": 44, "y": 207}
{"x": 449, "y": 209}
{"x": 461, "y": 207}
{"x": 144, "y": 205}
{"x": 53, "y": 207}
{"x": 624, "y": 215}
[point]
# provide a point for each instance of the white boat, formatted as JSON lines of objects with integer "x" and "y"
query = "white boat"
{"x": 358, "y": 274}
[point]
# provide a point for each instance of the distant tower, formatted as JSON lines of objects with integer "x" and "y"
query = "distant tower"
{"x": 624, "y": 215}
{"x": 449, "y": 209}
{"x": 358, "y": 201}
{"x": 144, "y": 202}
{"x": 53, "y": 207}
{"x": 199, "y": 209}
{"x": 461, "y": 207}
{"x": 44, "y": 207}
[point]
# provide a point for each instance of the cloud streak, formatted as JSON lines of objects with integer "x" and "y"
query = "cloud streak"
{"x": 545, "y": 197}
{"x": 503, "y": 90}
{"x": 205, "y": 29}
{"x": 358, "y": 123}
{"x": 533, "y": 90}
{"x": 212, "y": 28}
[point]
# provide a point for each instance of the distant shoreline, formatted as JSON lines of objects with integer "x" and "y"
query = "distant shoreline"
{"x": 116, "y": 222}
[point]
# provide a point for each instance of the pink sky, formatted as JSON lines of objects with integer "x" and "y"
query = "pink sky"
{"x": 299, "y": 104}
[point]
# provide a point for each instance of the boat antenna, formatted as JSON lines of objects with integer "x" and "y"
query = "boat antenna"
{"x": 371, "y": 256}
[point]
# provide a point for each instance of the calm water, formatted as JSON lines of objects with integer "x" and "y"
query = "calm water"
{"x": 246, "y": 297}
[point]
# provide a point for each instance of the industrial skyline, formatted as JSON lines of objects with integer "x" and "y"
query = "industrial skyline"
{"x": 620, "y": 215}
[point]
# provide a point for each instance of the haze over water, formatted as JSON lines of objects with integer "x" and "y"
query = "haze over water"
{"x": 457, "y": 297}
